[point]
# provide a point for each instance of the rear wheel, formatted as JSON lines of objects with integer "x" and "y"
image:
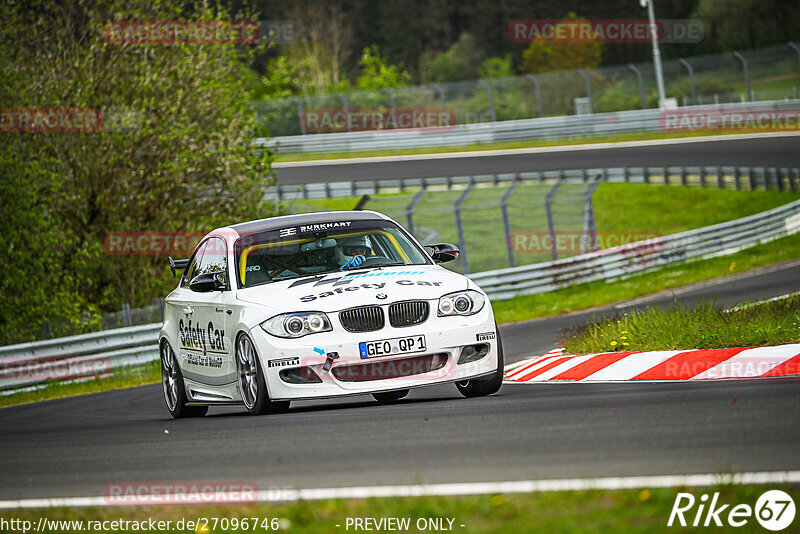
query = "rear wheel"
{"x": 388, "y": 396}
{"x": 251, "y": 380}
{"x": 480, "y": 387}
{"x": 172, "y": 385}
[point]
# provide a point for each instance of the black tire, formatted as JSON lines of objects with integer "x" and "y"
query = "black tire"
{"x": 172, "y": 386}
{"x": 250, "y": 377}
{"x": 389, "y": 396}
{"x": 480, "y": 387}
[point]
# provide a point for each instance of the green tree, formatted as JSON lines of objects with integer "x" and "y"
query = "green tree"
{"x": 377, "y": 73}
{"x": 174, "y": 154}
{"x": 459, "y": 62}
{"x": 497, "y": 67}
{"x": 545, "y": 55}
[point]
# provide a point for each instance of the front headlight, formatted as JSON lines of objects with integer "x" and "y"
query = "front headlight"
{"x": 297, "y": 324}
{"x": 462, "y": 303}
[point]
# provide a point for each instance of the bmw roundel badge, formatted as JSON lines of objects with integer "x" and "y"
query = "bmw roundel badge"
{"x": 381, "y": 296}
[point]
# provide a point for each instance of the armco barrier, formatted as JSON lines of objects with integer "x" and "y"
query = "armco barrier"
{"x": 722, "y": 177}
{"x": 95, "y": 354}
{"x": 618, "y": 262}
{"x": 77, "y": 357}
{"x": 643, "y": 120}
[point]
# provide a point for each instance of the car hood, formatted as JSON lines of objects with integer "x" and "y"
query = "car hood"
{"x": 337, "y": 291}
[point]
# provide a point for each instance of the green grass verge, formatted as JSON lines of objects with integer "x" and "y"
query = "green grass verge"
{"x": 125, "y": 377}
{"x": 705, "y": 326}
{"x": 530, "y": 143}
{"x": 583, "y": 296}
{"x": 639, "y": 511}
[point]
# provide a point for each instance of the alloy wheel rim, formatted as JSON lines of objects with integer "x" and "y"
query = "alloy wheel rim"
{"x": 248, "y": 371}
{"x": 169, "y": 376}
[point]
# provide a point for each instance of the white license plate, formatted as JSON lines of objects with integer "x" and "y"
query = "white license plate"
{"x": 390, "y": 347}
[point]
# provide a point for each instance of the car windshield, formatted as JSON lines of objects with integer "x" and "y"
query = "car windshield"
{"x": 304, "y": 250}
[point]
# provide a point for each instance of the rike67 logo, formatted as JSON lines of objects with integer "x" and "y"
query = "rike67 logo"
{"x": 774, "y": 510}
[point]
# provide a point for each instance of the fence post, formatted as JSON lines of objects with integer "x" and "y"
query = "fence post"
{"x": 392, "y": 103}
{"x": 683, "y": 176}
{"x": 588, "y": 85}
{"x": 346, "y": 109}
{"x": 491, "y": 98}
{"x": 300, "y": 114}
{"x": 441, "y": 94}
{"x": 548, "y": 201}
{"x": 796, "y": 49}
{"x": 126, "y": 315}
{"x": 626, "y": 175}
{"x": 691, "y": 79}
{"x": 507, "y": 221}
{"x": 589, "y": 224}
{"x": 638, "y": 74}
{"x": 462, "y": 242}
{"x": 410, "y": 209}
{"x": 160, "y": 302}
{"x": 720, "y": 181}
{"x": 702, "y": 176}
{"x": 538, "y": 89}
{"x": 737, "y": 178}
{"x": 741, "y": 58}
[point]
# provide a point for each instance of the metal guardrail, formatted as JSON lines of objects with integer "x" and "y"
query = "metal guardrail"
{"x": 722, "y": 177}
{"x": 77, "y": 357}
{"x": 643, "y": 120}
{"x": 707, "y": 79}
{"x": 98, "y": 354}
{"x": 620, "y": 262}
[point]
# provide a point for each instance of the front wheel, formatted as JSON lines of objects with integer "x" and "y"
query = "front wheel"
{"x": 251, "y": 381}
{"x": 172, "y": 385}
{"x": 480, "y": 387}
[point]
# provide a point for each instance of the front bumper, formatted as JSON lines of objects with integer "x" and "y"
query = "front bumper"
{"x": 445, "y": 339}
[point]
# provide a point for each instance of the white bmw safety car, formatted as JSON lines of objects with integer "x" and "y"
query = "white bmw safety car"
{"x": 321, "y": 305}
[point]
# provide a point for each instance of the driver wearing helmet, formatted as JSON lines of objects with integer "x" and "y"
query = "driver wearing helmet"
{"x": 352, "y": 251}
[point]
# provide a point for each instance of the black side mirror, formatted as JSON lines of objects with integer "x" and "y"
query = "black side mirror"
{"x": 443, "y": 252}
{"x": 203, "y": 283}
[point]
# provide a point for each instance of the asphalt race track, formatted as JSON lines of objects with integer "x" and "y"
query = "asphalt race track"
{"x": 759, "y": 151}
{"x": 74, "y": 447}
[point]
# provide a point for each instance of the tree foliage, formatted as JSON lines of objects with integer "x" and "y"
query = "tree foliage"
{"x": 174, "y": 154}
{"x": 377, "y": 73}
{"x": 544, "y": 55}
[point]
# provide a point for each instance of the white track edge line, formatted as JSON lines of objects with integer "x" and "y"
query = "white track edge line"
{"x": 458, "y": 489}
{"x": 531, "y": 150}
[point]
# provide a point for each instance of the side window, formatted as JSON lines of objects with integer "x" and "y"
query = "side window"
{"x": 191, "y": 269}
{"x": 214, "y": 259}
